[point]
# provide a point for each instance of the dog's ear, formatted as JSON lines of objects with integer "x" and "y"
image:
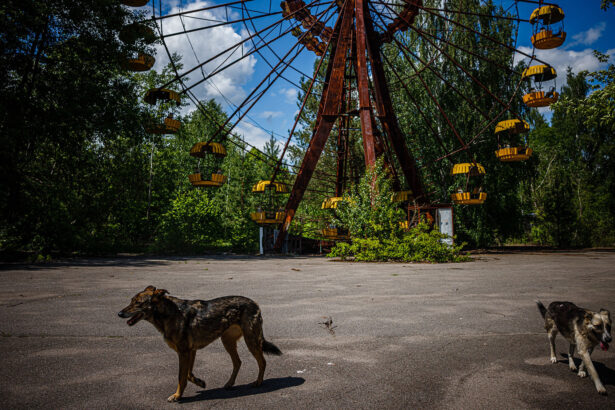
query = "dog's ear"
{"x": 150, "y": 288}
{"x": 158, "y": 293}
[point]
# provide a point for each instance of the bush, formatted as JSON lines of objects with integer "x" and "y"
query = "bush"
{"x": 191, "y": 225}
{"x": 419, "y": 244}
{"x": 369, "y": 212}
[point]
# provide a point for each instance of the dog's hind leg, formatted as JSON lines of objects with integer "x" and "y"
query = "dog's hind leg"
{"x": 229, "y": 340}
{"x": 254, "y": 341}
{"x": 184, "y": 368}
{"x": 551, "y": 332}
{"x": 191, "y": 377}
{"x": 571, "y": 364}
{"x": 587, "y": 361}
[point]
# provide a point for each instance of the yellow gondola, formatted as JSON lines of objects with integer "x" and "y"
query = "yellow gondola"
{"x": 514, "y": 154}
{"x": 514, "y": 126}
{"x": 547, "y": 15}
{"x": 464, "y": 196}
{"x": 331, "y": 203}
{"x": 402, "y": 196}
{"x": 543, "y": 37}
{"x": 169, "y": 126}
{"x": 509, "y": 128}
{"x": 331, "y": 232}
{"x": 161, "y": 94}
{"x": 217, "y": 180}
{"x": 267, "y": 218}
{"x": 201, "y": 150}
{"x": 539, "y": 74}
{"x": 262, "y": 186}
{"x": 131, "y": 33}
{"x": 334, "y": 234}
{"x": 142, "y": 62}
{"x": 274, "y": 212}
{"x": 134, "y": 3}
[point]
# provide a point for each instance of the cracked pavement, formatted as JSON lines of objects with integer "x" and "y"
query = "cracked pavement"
{"x": 464, "y": 335}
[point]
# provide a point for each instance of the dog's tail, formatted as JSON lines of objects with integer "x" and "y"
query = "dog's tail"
{"x": 270, "y": 348}
{"x": 542, "y": 308}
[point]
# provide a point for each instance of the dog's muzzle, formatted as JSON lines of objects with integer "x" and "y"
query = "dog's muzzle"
{"x": 134, "y": 317}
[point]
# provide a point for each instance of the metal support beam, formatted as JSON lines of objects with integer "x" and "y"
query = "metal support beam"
{"x": 328, "y": 111}
{"x": 385, "y": 112}
{"x": 365, "y": 107}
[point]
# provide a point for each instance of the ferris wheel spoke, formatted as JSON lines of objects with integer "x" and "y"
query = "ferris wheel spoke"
{"x": 185, "y": 12}
{"x": 317, "y": 16}
{"x": 220, "y": 24}
{"x": 470, "y": 29}
{"x": 455, "y": 62}
{"x": 463, "y": 12}
{"x": 244, "y": 56}
{"x": 284, "y": 65}
{"x": 437, "y": 74}
{"x": 494, "y": 63}
{"x": 207, "y": 114}
{"x": 431, "y": 95}
{"x": 416, "y": 104}
{"x": 234, "y": 46}
{"x": 303, "y": 103}
{"x": 468, "y": 74}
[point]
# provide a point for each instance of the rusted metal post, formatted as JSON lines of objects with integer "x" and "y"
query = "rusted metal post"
{"x": 328, "y": 111}
{"x": 384, "y": 109}
{"x": 365, "y": 107}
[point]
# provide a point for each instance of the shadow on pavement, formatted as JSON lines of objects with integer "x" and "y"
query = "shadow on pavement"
{"x": 268, "y": 386}
{"x": 138, "y": 261}
{"x": 607, "y": 375}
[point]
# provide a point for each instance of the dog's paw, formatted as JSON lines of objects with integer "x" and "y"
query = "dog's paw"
{"x": 582, "y": 374}
{"x": 601, "y": 390}
{"x": 198, "y": 382}
{"x": 228, "y": 386}
{"x": 173, "y": 398}
{"x": 553, "y": 359}
{"x": 573, "y": 368}
{"x": 257, "y": 383}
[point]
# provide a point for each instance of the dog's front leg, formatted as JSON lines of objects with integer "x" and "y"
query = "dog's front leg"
{"x": 191, "y": 377}
{"x": 582, "y": 366}
{"x": 552, "y": 333}
{"x": 587, "y": 361}
{"x": 571, "y": 364}
{"x": 184, "y": 368}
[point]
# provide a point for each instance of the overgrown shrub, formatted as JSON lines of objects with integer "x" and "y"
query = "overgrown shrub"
{"x": 419, "y": 244}
{"x": 192, "y": 224}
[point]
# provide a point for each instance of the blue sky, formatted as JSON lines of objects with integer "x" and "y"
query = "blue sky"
{"x": 587, "y": 27}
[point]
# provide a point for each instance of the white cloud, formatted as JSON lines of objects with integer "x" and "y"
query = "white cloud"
{"x": 207, "y": 43}
{"x": 290, "y": 94}
{"x": 269, "y": 115}
{"x": 561, "y": 59}
{"x": 590, "y": 36}
{"x": 252, "y": 134}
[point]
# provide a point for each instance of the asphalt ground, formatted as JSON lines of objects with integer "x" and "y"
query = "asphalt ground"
{"x": 461, "y": 336}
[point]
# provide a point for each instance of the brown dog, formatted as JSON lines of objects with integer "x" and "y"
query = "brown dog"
{"x": 583, "y": 328}
{"x": 189, "y": 325}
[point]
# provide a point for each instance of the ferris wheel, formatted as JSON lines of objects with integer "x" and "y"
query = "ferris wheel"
{"x": 343, "y": 57}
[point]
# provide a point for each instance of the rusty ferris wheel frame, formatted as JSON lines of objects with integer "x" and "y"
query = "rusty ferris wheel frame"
{"x": 355, "y": 63}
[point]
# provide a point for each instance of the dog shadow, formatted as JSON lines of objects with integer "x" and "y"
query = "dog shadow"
{"x": 606, "y": 374}
{"x": 269, "y": 385}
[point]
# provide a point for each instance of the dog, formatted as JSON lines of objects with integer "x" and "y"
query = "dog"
{"x": 583, "y": 328}
{"x": 189, "y": 325}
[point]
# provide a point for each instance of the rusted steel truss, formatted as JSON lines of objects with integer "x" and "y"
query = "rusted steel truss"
{"x": 356, "y": 43}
